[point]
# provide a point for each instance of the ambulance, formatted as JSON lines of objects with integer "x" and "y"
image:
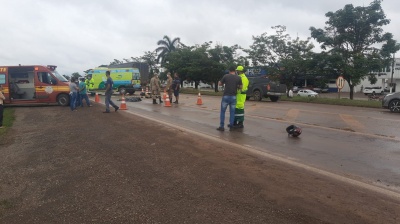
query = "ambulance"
{"x": 125, "y": 79}
{"x": 33, "y": 84}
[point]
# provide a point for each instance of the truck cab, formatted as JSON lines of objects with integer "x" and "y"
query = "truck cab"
{"x": 33, "y": 84}
{"x": 262, "y": 87}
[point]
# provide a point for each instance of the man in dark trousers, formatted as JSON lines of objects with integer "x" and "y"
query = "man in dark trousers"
{"x": 109, "y": 92}
{"x": 232, "y": 83}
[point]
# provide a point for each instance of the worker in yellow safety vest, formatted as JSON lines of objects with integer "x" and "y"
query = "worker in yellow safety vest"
{"x": 240, "y": 98}
{"x": 89, "y": 83}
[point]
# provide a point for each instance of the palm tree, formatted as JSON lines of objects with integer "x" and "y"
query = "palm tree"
{"x": 166, "y": 46}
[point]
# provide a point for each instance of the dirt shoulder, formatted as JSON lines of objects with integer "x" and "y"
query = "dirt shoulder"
{"x": 60, "y": 166}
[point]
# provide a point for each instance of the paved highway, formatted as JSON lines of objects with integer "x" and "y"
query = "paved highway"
{"x": 358, "y": 144}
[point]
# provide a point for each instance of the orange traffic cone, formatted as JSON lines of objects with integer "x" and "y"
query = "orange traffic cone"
{"x": 199, "y": 101}
{"x": 167, "y": 102}
{"x": 164, "y": 95}
{"x": 123, "y": 104}
{"x": 97, "y": 99}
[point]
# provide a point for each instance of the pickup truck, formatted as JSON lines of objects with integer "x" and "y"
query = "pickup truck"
{"x": 262, "y": 87}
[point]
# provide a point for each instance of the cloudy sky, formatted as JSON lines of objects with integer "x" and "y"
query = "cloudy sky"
{"x": 77, "y": 35}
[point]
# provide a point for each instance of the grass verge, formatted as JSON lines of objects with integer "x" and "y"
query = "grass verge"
{"x": 8, "y": 119}
{"x": 332, "y": 101}
{"x": 317, "y": 100}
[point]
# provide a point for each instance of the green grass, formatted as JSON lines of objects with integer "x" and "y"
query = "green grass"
{"x": 332, "y": 101}
{"x": 317, "y": 100}
{"x": 8, "y": 119}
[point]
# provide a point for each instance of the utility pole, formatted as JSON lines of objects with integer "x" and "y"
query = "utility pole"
{"x": 391, "y": 79}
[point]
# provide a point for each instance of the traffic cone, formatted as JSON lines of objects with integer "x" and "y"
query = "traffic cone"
{"x": 97, "y": 99}
{"x": 199, "y": 101}
{"x": 167, "y": 102}
{"x": 164, "y": 95}
{"x": 123, "y": 104}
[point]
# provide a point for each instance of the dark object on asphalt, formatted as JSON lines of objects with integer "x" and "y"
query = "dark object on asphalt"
{"x": 133, "y": 99}
{"x": 293, "y": 131}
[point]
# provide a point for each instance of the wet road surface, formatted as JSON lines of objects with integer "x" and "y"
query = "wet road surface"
{"x": 361, "y": 144}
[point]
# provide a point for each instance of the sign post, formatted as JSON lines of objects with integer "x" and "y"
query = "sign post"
{"x": 340, "y": 84}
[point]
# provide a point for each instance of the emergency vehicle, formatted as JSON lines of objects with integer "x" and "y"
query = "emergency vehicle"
{"x": 33, "y": 84}
{"x": 125, "y": 79}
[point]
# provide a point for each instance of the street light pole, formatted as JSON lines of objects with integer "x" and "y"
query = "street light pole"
{"x": 391, "y": 79}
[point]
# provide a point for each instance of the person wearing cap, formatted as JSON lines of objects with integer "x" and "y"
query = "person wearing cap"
{"x": 89, "y": 83}
{"x": 240, "y": 98}
{"x": 155, "y": 88}
{"x": 232, "y": 83}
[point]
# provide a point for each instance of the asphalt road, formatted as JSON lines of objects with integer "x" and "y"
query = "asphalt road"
{"x": 359, "y": 143}
{"x": 156, "y": 164}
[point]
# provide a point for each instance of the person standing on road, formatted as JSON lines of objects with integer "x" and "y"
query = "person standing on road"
{"x": 168, "y": 87}
{"x": 73, "y": 93}
{"x": 232, "y": 83}
{"x": 240, "y": 99}
{"x": 108, "y": 93}
{"x": 2, "y": 98}
{"x": 155, "y": 88}
{"x": 83, "y": 93}
{"x": 176, "y": 85}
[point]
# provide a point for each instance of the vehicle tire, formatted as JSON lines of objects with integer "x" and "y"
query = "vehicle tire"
{"x": 274, "y": 98}
{"x": 247, "y": 97}
{"x": 257, "y": 95}
{"x": 63, "y": 99}
{"x": 131, "y": 92}
{"x": 394, "y": 106}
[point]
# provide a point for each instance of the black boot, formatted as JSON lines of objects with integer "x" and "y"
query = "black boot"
{"x": 240, "y": 125}
{"x": 161, "y": 100}
{"x": 154, "y": 101}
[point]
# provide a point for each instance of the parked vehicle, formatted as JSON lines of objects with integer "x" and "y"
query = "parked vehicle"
{"x": 125, "y": 79}
{"x": 392, "y": 102}
{"x": 34, "y": 84}
{"x": 307, "y": 92}
{"x": 321, "y": 90}
{"x": 373, "y": 90}
{"x": 262, "y": 87}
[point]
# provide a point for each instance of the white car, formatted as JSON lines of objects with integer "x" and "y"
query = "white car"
{"x": 307, "y": 92}
{"x": 373, "y": 90}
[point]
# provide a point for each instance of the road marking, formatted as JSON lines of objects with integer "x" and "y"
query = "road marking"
{"x": 261, "y": 152}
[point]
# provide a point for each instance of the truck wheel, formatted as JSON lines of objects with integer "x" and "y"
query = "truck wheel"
{"x": 394, "y": 106}
{"x": 63, "y": 100}
{"x": 257, "y": 95}
{"x": 274, "y": 98}
{"x": 131, "y": 92}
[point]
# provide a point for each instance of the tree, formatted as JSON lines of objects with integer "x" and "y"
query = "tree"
{"x": 201, "y": 62}
{"x": 352, "y": 36}
{"x": 166, "y": 46}
{"x": 76, "y": 75}
{"x": 281, "y": 56}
